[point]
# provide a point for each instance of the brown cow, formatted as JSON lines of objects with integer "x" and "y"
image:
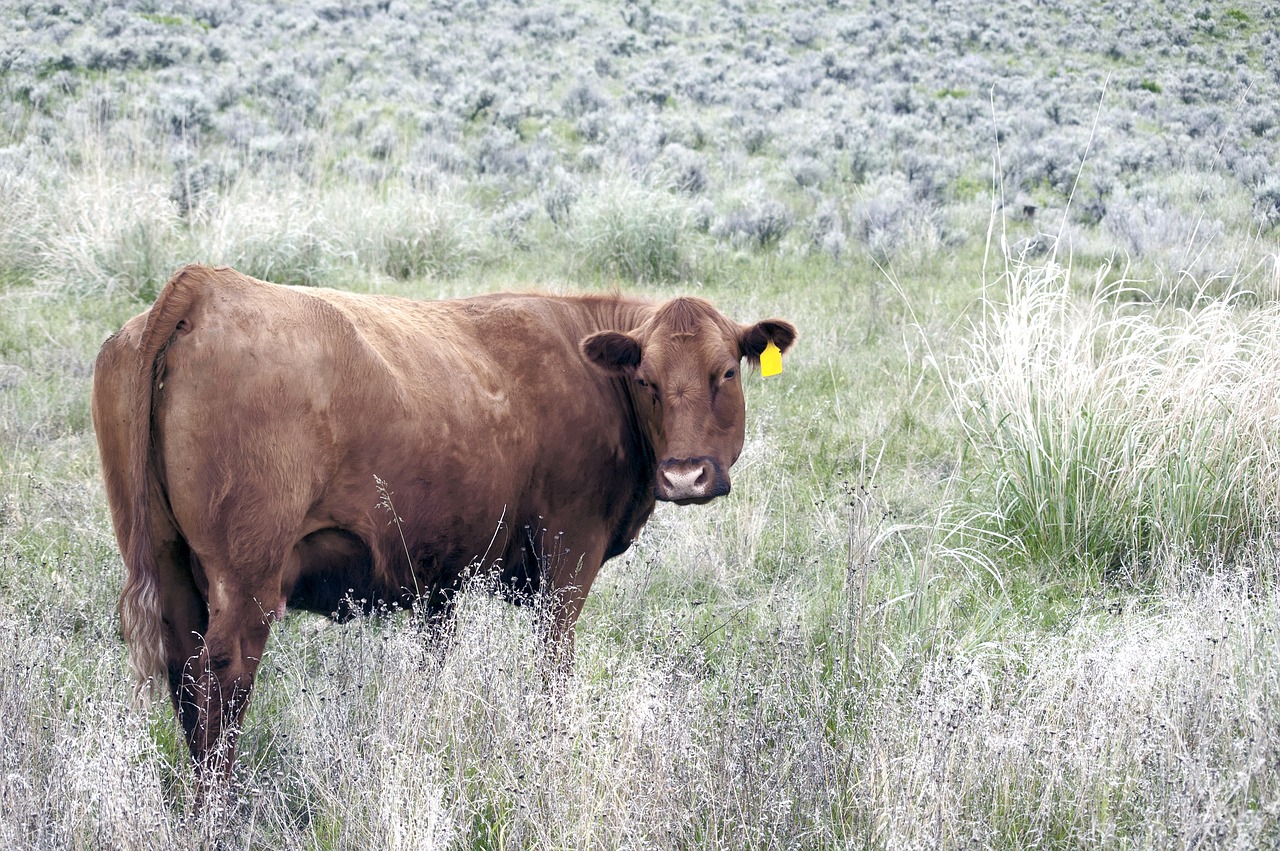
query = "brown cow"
{"x": 245, "y": 428}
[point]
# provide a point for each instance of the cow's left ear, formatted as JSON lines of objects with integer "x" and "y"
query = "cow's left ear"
{"x": 612, "y": 351}
{"x": 754, "y": 338}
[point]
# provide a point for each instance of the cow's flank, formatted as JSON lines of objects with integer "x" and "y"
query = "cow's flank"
{"x": 251, "y": 436}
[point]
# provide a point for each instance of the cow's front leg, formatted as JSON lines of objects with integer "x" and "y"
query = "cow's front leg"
{"x": 569, "y": 580}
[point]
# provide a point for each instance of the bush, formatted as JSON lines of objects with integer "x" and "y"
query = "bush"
{"x": 196, "y": 184}
{"x": 1266, "y": 202}
{"x": 682, "y": 169}
{"x": 559, "y": 193}
{"x": 826, "y": 230}
{"x": 890, "y": 219}
{"x": 760, "y": 224}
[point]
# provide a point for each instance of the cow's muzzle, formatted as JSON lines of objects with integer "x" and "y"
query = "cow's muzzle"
{"x": 687, "y": 480}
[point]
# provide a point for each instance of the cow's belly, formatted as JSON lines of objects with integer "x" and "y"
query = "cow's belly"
{"x": 410, "y": 533}
{"x": 338, "y": 575}
{"x": 335, "y": 576}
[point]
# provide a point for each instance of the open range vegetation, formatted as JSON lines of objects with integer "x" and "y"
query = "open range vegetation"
{"x": 1000, "y": 565}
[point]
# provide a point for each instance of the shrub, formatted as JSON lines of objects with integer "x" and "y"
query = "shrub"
{"x": 682, "y": 169}
{"x": 1183, "y": 239}
{"x": 559, "y": 193}
{"x": 808, "y": 170}
{"x": 500, "y": 152}
{"x": 826, "y": 230}
{"x": 511, "y": 223}
{"x": 890, "y": 218}
{"x": 754, "y": 138}
{"x": 761, "y": 224}
{"x": 195, "y": 184}
{"x": 1266, "y": 202}
{"x": 583, "y": 98}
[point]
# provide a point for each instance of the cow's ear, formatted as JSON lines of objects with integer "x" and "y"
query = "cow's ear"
{"x": 754, "y": 338}
{"x": 612, "y": 351}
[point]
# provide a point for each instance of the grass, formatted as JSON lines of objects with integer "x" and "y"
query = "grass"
{"x": 999, "y": 565}
{"x": 816, "y": 662}
{"x": 1116, "y": 428}
{"x": 628, "y": 232}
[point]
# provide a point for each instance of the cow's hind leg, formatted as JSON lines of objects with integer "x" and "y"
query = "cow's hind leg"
{"x": 240, "y": 619}
{"x": 186, "y": 619}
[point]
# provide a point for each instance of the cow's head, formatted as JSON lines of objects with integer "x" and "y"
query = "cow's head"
{"x": 683, "y": 365}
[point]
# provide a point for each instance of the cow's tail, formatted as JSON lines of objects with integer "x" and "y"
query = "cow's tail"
{"x": 141, "y": 614}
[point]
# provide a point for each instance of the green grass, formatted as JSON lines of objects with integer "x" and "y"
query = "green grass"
{"x": 629, "y": 232}
{"x": 1116, "y": 431}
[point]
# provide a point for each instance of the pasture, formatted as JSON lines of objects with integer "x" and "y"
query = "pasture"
{"x": 999, "y": 568}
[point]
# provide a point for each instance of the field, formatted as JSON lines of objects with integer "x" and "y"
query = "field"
{"x": 1000, "y": 565}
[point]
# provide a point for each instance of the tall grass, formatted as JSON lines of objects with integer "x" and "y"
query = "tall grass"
{"x": 405, "y": 234}
{"x": 629, "y": 231}
{"x": 803, "y": 665}
{"x": 94, "y": 231}
{"x": 107, "y": 233}
{"x": 1155, "y": 729}
{"x": 1109, "y": 733}
{"x": 1115, "y": 428}
{"x": 313, "y": 234}
{"x": 815, "y": 661}
{"x": 17, "y": 215}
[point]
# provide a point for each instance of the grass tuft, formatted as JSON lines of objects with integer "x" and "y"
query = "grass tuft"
{"x": 1115, "y": 429}
{"x": 628, "y": 231}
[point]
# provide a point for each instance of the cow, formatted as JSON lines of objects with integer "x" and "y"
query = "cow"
{"x": 267, "y": 447}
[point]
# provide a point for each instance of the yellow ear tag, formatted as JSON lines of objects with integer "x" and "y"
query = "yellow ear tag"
{"x": 770, "y": 360}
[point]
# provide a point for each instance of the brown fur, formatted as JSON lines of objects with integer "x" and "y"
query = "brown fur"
{"x": 241, "y": 426}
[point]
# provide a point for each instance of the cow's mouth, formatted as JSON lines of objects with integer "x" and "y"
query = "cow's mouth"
{"x": 702, "y": 500}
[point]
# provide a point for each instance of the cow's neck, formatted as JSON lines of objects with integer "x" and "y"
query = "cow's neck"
{"x": 620, "y": 314}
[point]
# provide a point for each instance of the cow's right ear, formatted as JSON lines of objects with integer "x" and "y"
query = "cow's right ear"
{"x": 754, "y": 338}
{"x": 612, "y": 351}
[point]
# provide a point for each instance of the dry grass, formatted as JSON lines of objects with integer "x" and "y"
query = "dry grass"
{"x": 826, "y": 659}
{"x": 1151, "y": 727}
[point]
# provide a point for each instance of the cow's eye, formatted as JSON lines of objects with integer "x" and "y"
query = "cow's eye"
{"x": 733, "y": 373}
{"x": 644, "y": 383}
